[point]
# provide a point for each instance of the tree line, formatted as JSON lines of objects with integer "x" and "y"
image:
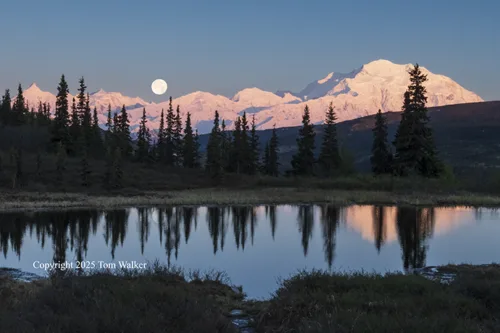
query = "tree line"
{"x": 75, "y": 132}
{"x": 414, "y": 154}
{"x": 239, "y": 151}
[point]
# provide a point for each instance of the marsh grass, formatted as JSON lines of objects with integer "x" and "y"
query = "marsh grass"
{"x": 153, "y": 300}
{"x": 320, "y": 302}
{"x": 161, "y": 299}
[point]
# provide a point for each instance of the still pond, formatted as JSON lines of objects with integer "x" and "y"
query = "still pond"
{"x": 254, "y": 245}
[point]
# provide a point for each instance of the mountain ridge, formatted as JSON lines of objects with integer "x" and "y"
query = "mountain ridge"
{"x": 379, "y": 84}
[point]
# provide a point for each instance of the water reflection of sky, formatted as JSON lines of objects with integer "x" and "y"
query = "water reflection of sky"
{"x": 348, "y": 237}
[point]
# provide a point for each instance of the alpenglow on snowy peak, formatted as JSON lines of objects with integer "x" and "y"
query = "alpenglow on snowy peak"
{"x": 377, "y": 85}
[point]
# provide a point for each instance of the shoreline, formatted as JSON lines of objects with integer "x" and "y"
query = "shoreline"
{"x": 426, "y": 298}
{"x": 433, "y": 273}
{"x": 36, "y": 201}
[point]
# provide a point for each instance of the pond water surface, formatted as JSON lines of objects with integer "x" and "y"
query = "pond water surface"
{"x": 254, "y": 245}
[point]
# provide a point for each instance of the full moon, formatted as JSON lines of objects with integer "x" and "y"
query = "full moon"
{"x": 159, "y": 86}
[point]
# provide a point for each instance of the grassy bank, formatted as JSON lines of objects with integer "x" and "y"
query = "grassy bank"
{"x": 319, "y": 302}
{"x": 160, "y": 300}
{"x": 12, "y": 201}
{"x": 157, "y": 300}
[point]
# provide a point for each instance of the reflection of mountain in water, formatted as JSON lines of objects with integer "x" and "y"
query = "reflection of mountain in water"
{"x": 70, "y": 231}
{"x": 358, "y": 218}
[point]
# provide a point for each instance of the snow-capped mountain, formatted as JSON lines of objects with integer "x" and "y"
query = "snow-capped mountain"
{"x": 100, "y": 99}
{"x": 34, "y": 95}
{"x": 258, "y": 97}
{"x": 377, "y": 85}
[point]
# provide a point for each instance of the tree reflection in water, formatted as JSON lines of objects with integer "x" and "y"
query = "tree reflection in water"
{"x": 69, "y": 231}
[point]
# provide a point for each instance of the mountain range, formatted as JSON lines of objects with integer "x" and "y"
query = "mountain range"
{"x": 377, "y": 85}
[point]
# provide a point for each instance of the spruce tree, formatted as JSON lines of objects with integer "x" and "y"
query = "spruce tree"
{"x": 303, "y": 160}
{"x": 197, "y": 163}
{"x": 85, "y": 167}
{"x": 44, "y": 115}
{"x": 177, "y": 137}
{"x": 213, "y": 163}
{"x": 225, "y": 147}
{"x": 40, "y": 114}
{"x": 402, "y": 158}
{"x": 74, "y": 129}
{"x": 117, "y": 171}
{"x": 415, "y": 149}
{"x": 189, "y": 152}
{"x": 95, "y": 118}
{"x": 153, "y": 149}
{"x": 161, "y": 138}
{"x": 46, "y": 112}
{"x": 142, "y": 139}
{"x": 124, "y": 134}
{"x": 236, "y": 162}
{"x": 97, "y": 142}
{"x": 87, "y": 130}
{"x": 32, "y": 117}
{"x": 265, "y": 167}
{"x": 60, "y": 125}
{"x": 329, "y": 157}
{"x": 81, "y": 100}
{"x": 109, "y": 124}
{"x": 28, "y": 113}
{"x": 273, "y": 154}
{"x": 429, "y": 164}
{"x": 244, "y": 145}
{"x": 115, "y": 130}
{"x": 253, "y": 162}
{"x": 169, "y": 136}
{"x": 6, "y": 108}
{"x": 150, "y": 154}
{"x": 19, "y": 110}
{"x": 381, "y": 158}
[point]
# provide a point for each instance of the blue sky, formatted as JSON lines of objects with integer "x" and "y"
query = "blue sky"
{"x": 225, "y": 46}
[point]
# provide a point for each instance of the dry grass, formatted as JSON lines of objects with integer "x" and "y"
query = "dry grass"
{"x": 10, "y": 201}
{"x": 157, "y": 300}
{"x": 319, "y": 302}
{"x": 160, "y": 300}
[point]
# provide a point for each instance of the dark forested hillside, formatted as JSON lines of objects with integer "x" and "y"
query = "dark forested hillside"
{"x": 467, "y": 135}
